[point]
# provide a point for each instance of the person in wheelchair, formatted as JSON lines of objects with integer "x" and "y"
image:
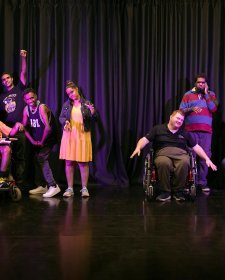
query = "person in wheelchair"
{"x": 170, "y": 143}
{"x": 5, "y": 149}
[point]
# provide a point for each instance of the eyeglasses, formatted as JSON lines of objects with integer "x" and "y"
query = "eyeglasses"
{"x": 200, "y": 82}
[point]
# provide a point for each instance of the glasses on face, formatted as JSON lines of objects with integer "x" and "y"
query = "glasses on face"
{"x": 199, "y": 82}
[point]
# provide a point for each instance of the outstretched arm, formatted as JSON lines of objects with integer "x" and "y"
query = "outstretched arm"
{"x": 23, "y": 73}
{"x": 201, "y": 153}
{"x": 140, "y": 145}
{"x": 17, "y": 127}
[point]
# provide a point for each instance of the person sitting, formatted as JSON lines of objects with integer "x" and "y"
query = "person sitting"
{"x": 170, "y": 143}
{"x": 5, "y": 149}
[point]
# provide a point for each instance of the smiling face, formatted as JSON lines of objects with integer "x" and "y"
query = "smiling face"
{"x": 73, "y": 93}
{"x": 176, "y": 121}
{"x": 7, "y": 81}
{"x": 30, "y": 99}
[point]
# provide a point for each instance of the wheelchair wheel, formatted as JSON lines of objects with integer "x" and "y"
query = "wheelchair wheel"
{"x": 15, "y": 193}
{"x": 149, "y": 191}
{"x": 193, "y": 192}
{"x": 146, "y": 176}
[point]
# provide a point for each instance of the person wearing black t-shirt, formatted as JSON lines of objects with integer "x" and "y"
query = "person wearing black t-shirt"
{"x": 170, "y": 143}
{"x": 11, "y": 112}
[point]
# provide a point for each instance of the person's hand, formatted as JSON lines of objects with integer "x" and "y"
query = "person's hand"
{"x": 67, "y": 126}
{"x": 23, "y": 53}
{"x": 19, "y": 126}
{"x": 196, "y": 109}
{"x": 206, "y": 88}
{"x": 137, "y": 151}
{"x": 209, "y": 163}
{"x": 38, "y": 143}
{"x": 90, "y": 107}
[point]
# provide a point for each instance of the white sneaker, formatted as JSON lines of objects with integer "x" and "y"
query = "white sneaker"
{"x": 38, "y": 190}
{"x": 84, "y": 192}
{"x": 68, "y": 193}
{"x": 52, "y": 191}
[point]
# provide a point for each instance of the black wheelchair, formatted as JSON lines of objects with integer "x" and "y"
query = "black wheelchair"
{"x": 151, "y": 183}
{"x": 9, "y": 186}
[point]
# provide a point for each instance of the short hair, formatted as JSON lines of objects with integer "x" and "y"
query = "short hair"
{"x": 27, "y": 90}
{"x": 201, "y": 75}
{"x": 7, "y": 73}
{"x": 177, "y": 112}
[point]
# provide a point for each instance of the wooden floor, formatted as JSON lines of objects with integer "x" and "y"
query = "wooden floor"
{"x": 115, "y": 234}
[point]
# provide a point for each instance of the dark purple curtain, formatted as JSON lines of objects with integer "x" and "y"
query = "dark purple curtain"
{"x": 133, "y": 58}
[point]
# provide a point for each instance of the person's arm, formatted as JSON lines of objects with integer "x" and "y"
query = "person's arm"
{"x": 185, "y": 105}
{"x": 201, "y": 153}
{"x": 140, "y": 145}
{"x": 25, "y": 123}
{"x": 23, "y": 73}
{"x": 44, "y": 113}
{"x": 211, "y": 100}
{"x": 17, "y": 127}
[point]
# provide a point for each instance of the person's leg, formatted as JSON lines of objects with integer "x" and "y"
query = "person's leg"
{"x": 42, "y": 157}
{"x": 69, "y": 170}
{"x": 205, "y": 142}
{"x": 164, "y": 166}
{"x": 182, "y": 164}
{"x": 84, "y": 172}
{"x": 5, "y": 157}
{"x": 5, "y": 161}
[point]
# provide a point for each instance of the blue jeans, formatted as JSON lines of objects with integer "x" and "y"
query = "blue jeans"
{"x": 204, "y": 140}
{"x": 42, "y": 155}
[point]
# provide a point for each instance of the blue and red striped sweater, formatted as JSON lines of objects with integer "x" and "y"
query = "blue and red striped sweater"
{"x": 198, "y": 121}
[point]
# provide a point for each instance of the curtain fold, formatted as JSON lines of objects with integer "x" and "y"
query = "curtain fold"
{"x": 133, "y": 58}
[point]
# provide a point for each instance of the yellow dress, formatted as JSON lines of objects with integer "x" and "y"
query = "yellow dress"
{"x": 76, "y": 144}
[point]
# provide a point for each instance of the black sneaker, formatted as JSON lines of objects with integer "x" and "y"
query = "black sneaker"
{"x": 164, "y": 196}
{"x": 179, "y": 196}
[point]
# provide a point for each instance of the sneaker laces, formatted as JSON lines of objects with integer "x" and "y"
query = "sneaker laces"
{"x": 84, "y": 189}
{"x": 69, "y": 189}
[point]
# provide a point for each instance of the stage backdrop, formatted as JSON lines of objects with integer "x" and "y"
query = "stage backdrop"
{"x": 134, "y": 59}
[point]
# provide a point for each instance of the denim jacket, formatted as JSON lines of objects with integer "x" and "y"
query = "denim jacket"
{"x": 86, "y": 113}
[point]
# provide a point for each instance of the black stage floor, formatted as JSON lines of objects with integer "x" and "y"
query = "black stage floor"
{"x": 115, "y": 234}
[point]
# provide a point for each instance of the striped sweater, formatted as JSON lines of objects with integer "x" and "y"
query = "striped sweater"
{"x": 198, "y": 121}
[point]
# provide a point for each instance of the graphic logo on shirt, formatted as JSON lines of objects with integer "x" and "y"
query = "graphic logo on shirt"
{"x": 34, "y": 123}
{"x": 10, "y": 103}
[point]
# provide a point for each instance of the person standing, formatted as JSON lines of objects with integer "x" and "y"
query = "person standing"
{"x": 198, "y": 105}
{"x": 38, "y": 122}
{"x": 76, "y": 145}
{"x": 11, "y": 112}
